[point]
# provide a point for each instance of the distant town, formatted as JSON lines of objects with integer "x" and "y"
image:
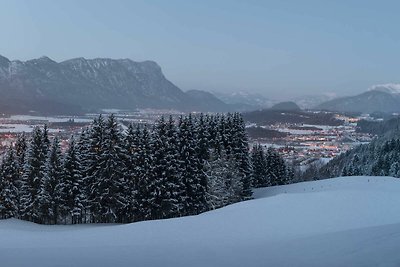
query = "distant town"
{"x": 303, "y": 144}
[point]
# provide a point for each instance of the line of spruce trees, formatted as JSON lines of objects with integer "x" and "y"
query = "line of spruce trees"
{"x": 107, "y": 175}
{"x": 269, "y": 168}
{"x": 381, "y": 157}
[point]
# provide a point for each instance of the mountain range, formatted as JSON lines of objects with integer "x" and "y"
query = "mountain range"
{"x": 245, "y": 101}
{"x": 81, "y": 85}
{"x": 85, "y": 85}
{"x": 379, "y": 98}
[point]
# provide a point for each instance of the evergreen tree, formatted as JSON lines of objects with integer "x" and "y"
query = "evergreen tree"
{"x": 194, "y": 200}
{"x": 20, "y": 155}
{"x": 290, "y": 174}
{"x": 45, "y": 140}
{"x": 240, "y": 152}
{"x": 233, "y": 180}
{"x": 8, "y": 186}
{"x": 260, "y": 178}
{"x": 92, "y": 158}
{"x": 32, "y": 177}
{"x": 217, "y": 189}
{"x": 131, "y": 160}
{"x": 20, "y": 152}
{"x": 73, "y": 193}
{"x": 143, "y": 198}
{"x": 276, "y": 167}
{"x": 344, "y": 171}
{"x": 395, "y": 169}
{"x": 203, "y": 139}
{"x": 109, "y": 183}
{"x": 212, "y": 130}
{"x": 160, "y": 201}
{"x": 50, "y": 191}
{"x": 84, "y": 150}
{"x": 203, "y": 146}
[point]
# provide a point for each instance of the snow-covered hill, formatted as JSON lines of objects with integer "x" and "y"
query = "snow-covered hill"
{"x": 348, "y": 221}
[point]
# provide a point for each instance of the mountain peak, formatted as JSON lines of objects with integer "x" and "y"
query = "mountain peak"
{"x": 45, "y": 58}
{"x": 4, "y": 61}
{"x": 42, "y": 60}
{"x": 286, "y": 106}
{"x": 391, "y": 88}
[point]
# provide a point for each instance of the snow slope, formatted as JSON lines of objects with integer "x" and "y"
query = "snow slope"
{"x": 347, "y": 221}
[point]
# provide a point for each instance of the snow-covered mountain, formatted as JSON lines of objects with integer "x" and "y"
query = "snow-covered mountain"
{"x": 48, "y": 86}
{"x": 310, "y": 101}
{"x": 348, "y": 221}
{"x": 244, "y": 100}
{"x": 379, "y": 98}
{"x": 391, "y": 88}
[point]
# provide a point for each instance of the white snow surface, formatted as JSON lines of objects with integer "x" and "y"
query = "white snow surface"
{"x": 346, "y": 221}
{"x": 391, "y": 88}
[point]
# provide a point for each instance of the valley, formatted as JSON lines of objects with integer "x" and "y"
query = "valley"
{"x": 303, "y": 144}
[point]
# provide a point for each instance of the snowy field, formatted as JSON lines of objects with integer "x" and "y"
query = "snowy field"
{"x": 349, "y": 221}
{"x": 26, "y": 123}
{"x": 49, "y": 119}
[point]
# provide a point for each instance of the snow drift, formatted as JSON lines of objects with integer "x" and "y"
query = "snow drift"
{"x": 347, "y": 221}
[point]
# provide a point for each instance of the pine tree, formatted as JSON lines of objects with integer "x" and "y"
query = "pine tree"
{"x": 109, "y": 184}
{"x": 344, "y": 171}
{"x": 159, "y": 201}
{"x": 32, "y": 177}
{"x": 276, "y": 167}
{"x": 211, "y": 122}
{"x": 173, "y": 183}
{"x": 395, "y": 169}
{"x": 131, "y": 160}
{"x": 73, "y": 193}
{"x": 354, "y": 168}
{"x": 240, "y": 150}
{"x": 84, "y": 149}
{"x": 217, "y": 188}
{"x": 233, "y": 180}
{"x": 50, "y": 191}
{"x": 143, "y": 198}
{"x": 203, "y": 139}
{"x": 290, "y": 174}
{"x": 8, "y": 186}
{"x": 225, "y": 130}
{"x": 260, "y": 178}
{"x": 190, "y": 169}
{"x": 92, "y": 158}
{"x": 45, "y": 140}
{"x": 203, "y": 146}
{"x": 20, "y": 153}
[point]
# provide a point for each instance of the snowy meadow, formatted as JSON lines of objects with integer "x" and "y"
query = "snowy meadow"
{"x": 348, "y": 221}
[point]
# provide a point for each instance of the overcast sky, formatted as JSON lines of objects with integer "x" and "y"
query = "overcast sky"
{"x": 278, "y": 48}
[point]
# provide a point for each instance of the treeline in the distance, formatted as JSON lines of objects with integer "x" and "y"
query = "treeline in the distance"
{"x": 107, "y": 175}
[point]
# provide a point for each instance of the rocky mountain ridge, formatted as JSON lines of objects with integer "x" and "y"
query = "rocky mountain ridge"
{"x": 80, "y": 84}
